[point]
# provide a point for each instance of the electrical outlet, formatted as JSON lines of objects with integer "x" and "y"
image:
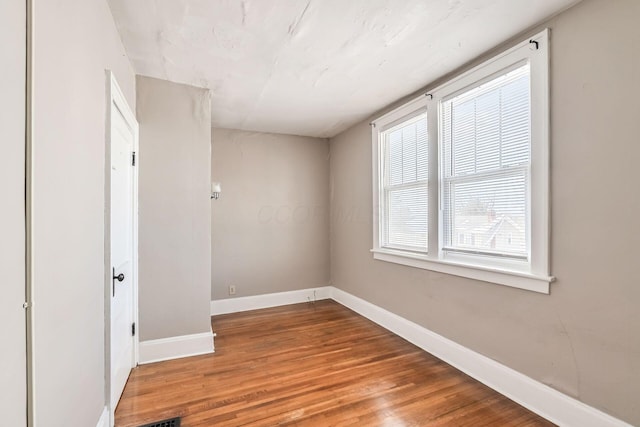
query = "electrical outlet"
{"x": 232, "y": 289}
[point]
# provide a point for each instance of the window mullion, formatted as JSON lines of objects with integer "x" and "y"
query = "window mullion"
{"x": 434, "y": 181}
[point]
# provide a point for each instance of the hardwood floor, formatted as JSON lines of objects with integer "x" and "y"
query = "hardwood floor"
{"x": 316, "y": 364}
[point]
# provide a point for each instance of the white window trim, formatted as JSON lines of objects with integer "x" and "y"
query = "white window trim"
{"x": 533, "y": 275}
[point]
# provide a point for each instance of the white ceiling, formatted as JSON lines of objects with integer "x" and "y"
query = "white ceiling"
{"x": 313, "y": 67}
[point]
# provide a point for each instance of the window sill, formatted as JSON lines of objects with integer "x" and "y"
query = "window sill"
{"x": 514, "y": 279}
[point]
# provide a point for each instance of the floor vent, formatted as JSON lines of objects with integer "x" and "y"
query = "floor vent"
{"x": 172, "y": 422}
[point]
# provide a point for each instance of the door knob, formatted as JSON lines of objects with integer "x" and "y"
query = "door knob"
{"x": 119, "y": 278}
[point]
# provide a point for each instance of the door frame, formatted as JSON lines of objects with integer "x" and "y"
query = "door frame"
{"x": 116, "y": 99}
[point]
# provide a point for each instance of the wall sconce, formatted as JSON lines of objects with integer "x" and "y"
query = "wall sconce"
{"x": 216, "y": 189}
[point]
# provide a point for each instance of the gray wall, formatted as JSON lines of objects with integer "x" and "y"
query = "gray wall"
{"x": 584, "y": 338}
{"x": 271, "y": 224}
{"x": 74, "y": 43}
{"x": 12, "y": 222}
{"x": 174, "y": 209}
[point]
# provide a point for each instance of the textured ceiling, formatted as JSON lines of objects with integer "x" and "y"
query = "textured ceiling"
{"x": 313, "y": 67}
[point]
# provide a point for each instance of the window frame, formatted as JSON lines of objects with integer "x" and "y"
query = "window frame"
{"x": 534, "y": 274}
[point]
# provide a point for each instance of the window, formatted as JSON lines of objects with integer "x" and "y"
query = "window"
{"x": 461, "y": 175}
{"x": 485, "y": 147}
{"x": 405, "y": 185}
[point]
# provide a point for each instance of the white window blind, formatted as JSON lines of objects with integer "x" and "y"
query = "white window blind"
{"x": 486, "y": 145}
{"x": 405, "y": 185}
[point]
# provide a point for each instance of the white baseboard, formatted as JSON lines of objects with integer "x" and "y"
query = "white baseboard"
{"x": 537, "y": 397}
{"x": 104, "y": 418}
{"x": 235, "y": 305}
{"x": 176, "y": 347}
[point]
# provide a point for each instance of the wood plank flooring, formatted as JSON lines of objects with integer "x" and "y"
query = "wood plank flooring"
{"x": 315, "y": 364}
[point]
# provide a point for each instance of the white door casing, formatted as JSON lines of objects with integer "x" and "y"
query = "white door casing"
{"x": 122, "y": 308}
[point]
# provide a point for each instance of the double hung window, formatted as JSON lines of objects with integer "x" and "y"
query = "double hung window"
{"x": 461, "y": 174}
{"x": 405, "y": 183}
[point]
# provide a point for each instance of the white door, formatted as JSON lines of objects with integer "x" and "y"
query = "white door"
{"x": 123, "y": 137}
